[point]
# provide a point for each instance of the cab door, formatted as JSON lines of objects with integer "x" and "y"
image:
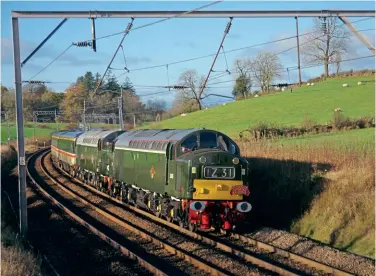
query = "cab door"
{"x": 107, "y": 158}
{"x": 170, "y": 167}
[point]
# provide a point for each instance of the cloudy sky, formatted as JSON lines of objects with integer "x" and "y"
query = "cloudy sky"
{"x": 164, "y": 43}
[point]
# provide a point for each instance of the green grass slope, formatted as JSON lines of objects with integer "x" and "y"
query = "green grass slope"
{"x": 359, "y": 139}
{"x": 28, "y": 133}
{"x": 42, "y": 130}
{"x": 315, "y": 102}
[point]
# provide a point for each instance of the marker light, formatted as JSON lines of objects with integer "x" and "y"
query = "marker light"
{"x": 202, "y": 159}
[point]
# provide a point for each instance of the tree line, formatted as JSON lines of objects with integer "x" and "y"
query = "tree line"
{"x": 39, "y": 97}
{"x": 326, "y": 44}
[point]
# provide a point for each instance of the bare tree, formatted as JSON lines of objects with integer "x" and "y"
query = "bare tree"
{"x": 338, "y": 60}
{"x": 243, "y": 84}
{"x": 193, "y": 84}
{"x": 327, "y": 41}
{"x": 156, "y": 105}
{"x": 266, "y": 66}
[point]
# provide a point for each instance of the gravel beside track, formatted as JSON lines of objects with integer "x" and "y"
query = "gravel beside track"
{"x": 160, "y": 258}
{"x": 271, "y": 257}
{"x": 356, "y": 264}
{"x": 229, "y": 263}
{"x": 70, "y": 247}
{"x": 226, "y": 262}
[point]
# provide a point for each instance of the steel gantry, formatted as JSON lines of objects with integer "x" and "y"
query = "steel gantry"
{"x": 126, "y": 14}
{"x": 193, "y": 14}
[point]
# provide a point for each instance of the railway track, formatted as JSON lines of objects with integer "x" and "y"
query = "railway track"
{"x": 257, "y": 258}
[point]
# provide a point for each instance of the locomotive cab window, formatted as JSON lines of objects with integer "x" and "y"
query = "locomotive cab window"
{"x": 189, "y": 144}
{"x": 207, "y": 140}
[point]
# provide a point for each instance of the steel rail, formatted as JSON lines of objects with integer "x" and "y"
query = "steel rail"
{"x": 94, "y": 230}
{"x": 221, "y": 246}
{"x": 256, "y": 243}
{"x": 290, "y": 255}
{"x": 189, "y": 258}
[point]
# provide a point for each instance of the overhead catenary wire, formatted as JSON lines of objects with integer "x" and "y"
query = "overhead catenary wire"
{"x": 229, "y": 51}
{"x": 48, "y": 65}
{"x": 288, "y": 49}
{"x": 129, "y": 27}
{"x": 302, "y": 67}
{"x": 224, "y": 54}
{"x": 160, "y": 21}
{"x": 156, "y": 22}
{"x": 192, "y": 59}
{"x": 125, "y": 60}
{"x": 188, "y": 59}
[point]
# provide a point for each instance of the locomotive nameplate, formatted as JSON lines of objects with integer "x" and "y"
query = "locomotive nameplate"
{"x": 219, "y": 172}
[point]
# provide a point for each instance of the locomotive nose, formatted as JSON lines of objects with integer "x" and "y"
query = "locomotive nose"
{"x": 244, "y": 207}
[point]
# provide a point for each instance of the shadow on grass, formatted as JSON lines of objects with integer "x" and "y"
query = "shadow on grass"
{"x": 282, "y": 190}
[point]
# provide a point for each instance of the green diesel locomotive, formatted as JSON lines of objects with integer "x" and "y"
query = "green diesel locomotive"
{"x": 194, "y": 177}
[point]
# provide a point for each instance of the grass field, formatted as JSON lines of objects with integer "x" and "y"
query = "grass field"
{"x": 314, "y": 102}
{"x": 359, "y": 140}
{"x": 42, "y": 130}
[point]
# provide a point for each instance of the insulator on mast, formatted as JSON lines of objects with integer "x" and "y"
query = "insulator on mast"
{"x": 34, "y": 82}
{"x": 324, "y": 26}
{"x": 83, "y": 44}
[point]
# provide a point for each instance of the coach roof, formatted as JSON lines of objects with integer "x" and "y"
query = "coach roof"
{"x": 64, "y": 134}
{"x": 155, "y": 135}
{"x": 93, "y": 136}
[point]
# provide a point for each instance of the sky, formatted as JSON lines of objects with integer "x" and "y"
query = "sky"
{"x": 160, "y": 44}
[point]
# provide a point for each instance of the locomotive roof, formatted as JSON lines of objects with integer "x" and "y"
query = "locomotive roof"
{"x": 158, "y": 135}
{"x": 67, "y": 133}
{"x": 91, "y": 137}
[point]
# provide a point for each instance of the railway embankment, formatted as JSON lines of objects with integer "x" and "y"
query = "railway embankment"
{"x": 16, "y": 256}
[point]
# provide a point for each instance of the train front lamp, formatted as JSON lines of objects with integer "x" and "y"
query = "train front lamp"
{"x": 202, "y": 159}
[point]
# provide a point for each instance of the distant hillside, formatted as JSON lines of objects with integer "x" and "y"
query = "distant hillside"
{"x": 284, "y": 108}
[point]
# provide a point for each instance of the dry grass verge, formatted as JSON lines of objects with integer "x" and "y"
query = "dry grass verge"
{"x": 15, "y": 258}
{"x": 320, "y": 192}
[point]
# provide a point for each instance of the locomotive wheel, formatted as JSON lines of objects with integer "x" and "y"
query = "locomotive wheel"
{"x": 182, "y": 224}
{"x": 157, "y": 214}
{"x": 225, "y": 232}
{"x": 192, "y": 227}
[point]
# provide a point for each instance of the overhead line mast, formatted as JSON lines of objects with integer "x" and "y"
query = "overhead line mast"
{"x": 215, "y": 58}
{"x": 129, "y": 27}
